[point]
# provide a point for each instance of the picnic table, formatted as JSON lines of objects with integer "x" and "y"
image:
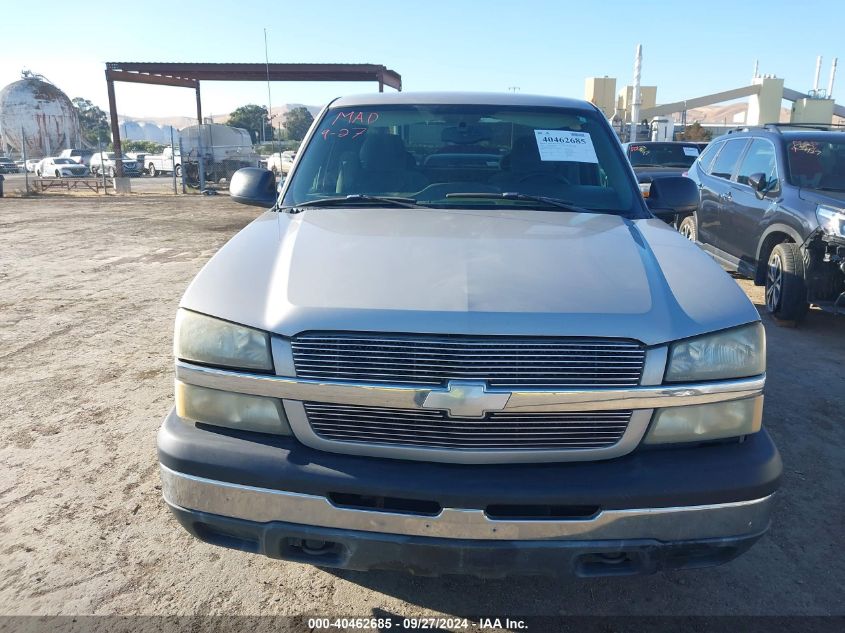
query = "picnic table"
{"x": 94, "y": 184}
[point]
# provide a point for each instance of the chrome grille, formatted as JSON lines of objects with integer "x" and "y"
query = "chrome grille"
{"x": 433, "y": 429}
{"x": 505, "y": 362}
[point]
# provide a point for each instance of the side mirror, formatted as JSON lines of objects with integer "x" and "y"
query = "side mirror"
{"x": 673, "y": 194}
{"x": 758, "y": 183}
{"x": 253, "y": 186}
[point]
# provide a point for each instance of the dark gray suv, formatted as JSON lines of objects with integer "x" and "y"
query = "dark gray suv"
{"x": 773, "y": 209}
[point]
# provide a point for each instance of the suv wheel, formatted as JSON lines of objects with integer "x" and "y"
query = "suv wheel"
{"x": 152, "y": 171}
{"x": 687, "y": 228}
{"x": 786, "y": 294}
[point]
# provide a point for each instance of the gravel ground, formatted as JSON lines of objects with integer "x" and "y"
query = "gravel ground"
{"x": 88, "y": 290}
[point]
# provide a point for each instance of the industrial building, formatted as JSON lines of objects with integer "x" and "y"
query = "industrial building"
{"x": 765, "y": 95}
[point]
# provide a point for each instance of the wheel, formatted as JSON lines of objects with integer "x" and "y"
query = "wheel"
{"x": 58, "y": 175}
{"x": 111, "y": 172}
{"x": 687, "y": 228}
{"x": 178, "y": 170}
{"x": 786, "y": 293}
{"x": 152, "y": 171}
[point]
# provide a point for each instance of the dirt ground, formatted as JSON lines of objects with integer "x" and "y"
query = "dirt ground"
{"x": 88, "y": 291}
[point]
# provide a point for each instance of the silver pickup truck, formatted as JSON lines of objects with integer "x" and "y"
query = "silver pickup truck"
{"x": 459, "y": 342}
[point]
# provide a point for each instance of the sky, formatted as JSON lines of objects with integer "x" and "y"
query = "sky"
{"x": 539, "y": 46}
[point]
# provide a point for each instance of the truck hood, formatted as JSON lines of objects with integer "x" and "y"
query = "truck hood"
{"x": 520, "y": 272}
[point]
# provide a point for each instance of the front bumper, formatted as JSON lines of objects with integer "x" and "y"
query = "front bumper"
{"x": 653, "y": 509}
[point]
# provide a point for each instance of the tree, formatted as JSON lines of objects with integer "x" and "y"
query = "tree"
{"x": 297, "y": 122}
{"x": 253, "y": 118}
{"x": 147, "y": 147}
{"x": 695, "y": 132}
{"x": 93, "y": 122}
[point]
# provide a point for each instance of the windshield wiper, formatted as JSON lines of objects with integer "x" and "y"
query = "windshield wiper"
{"x": 512, "y": 195}
{"x": 396, "y": 201}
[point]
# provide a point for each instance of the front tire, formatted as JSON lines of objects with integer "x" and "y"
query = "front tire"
{"x": 786, "y": 292}
{"x": 178, "y": 170}
{"x": 687, "y": 228}
{"x": 152, "y": 171}
{"x": 111, "y": 172}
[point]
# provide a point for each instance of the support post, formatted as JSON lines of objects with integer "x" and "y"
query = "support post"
{"x": 173, "y": 160}
{"x": 199, "y": 105}
{"x": 115, "y": 130}
{"x": 25, "y": 168}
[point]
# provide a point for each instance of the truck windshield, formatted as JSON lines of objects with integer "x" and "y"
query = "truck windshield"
{"x": 817, "y": 164}
{"x": 426, "y": 152}
{"x": 662, "y": 155}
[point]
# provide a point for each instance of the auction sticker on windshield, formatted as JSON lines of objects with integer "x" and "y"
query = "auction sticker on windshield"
{"x": 560, "y": 145}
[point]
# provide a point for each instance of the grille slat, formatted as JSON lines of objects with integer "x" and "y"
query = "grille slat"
{"x": 498, "y": 431}
{"x": 502, "y": 361}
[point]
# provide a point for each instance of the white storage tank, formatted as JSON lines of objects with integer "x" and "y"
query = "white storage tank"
{"x": 35, "y": 113}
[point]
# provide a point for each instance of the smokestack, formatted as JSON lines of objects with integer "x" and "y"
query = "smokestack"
{"x": 818, "y": 72}
{"x": 635, "y": 101}
{"x": 832, "y": 77}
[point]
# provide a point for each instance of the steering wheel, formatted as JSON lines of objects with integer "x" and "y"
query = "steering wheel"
{"x": 545, "y": 176}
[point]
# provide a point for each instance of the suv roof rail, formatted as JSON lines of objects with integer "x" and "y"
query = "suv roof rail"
{"x": 824, "y": 127}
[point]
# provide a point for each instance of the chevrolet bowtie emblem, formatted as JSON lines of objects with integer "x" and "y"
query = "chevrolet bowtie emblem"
{"x": 462, "y": 399}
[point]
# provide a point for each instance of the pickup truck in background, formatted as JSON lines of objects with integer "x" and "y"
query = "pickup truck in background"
{"x": 165, "y": 163}
{"x": 81, "y": 156}
{"x": 280, "y": 163}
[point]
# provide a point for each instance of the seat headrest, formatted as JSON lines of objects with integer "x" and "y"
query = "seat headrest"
{"x": 525, "y": 157}
{"x": 383, "y": 151}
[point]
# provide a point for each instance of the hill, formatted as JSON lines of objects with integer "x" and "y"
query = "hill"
{"x": 183, "y": 121}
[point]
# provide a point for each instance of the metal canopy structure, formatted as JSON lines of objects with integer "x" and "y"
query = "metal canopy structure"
{"x": 189, "y": 75}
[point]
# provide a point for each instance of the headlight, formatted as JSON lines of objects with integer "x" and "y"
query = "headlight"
{"x": 210, "y": 341}
{"x": 831, "y": 219}
{"x": 703, "y": 422}
{"x": 232, "y": 410}
{"x": 735, "y": 353}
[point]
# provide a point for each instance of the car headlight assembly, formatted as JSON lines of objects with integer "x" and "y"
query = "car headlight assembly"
{"x": 736, "y": 353}
{"x": 831, "y": 220}
{"x": 203, "y": 339}
{"x": 706, "y": 422}
{"x": 231, "y": 410}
